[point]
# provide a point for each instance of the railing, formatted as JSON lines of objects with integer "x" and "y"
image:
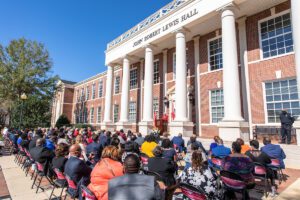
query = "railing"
{"x": 260, "y": 131}
{"x": 147, "y": 22}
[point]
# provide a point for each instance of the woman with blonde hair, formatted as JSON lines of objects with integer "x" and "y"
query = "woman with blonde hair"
{"x": 79, "y": 141}
{"x": 107, "y": 168}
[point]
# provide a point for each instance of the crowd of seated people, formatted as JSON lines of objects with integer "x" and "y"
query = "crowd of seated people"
{"x": 110, "y": 165}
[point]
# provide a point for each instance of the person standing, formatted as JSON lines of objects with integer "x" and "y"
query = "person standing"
{"x": 286, "y": 126}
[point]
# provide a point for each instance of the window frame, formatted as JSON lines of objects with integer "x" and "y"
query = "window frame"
{"x": 130, "y": 80}
{"x": 132, "y": 114}
{"x": 281, "y": 101}
{"x": 92, "y": 112}
{"x": 261, "y": 57}
{"x": 154, "y": 99}
{"x": 210, "y": 105}
{"x": 99, "y": 114}
{"x": 208, "y": 53}
{"x": 87, "y": 92}
{"x": 156, "y": 72}
{"x": 114, "y": 109}
{"x": 118, "y": 84}
{"x": 100, "y": 81}
{"x": 93, "y": 90}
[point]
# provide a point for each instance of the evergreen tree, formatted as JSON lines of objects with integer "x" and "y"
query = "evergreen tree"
{"x": 62, "y": 121}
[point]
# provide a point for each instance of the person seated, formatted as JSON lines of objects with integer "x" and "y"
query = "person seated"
{"x": 77, "y": 170}
{"x": 168, "y": 150}
{"x": 79, "y": 140}
{"x": 193, "y": 139}
{"x": 163, "y": 166}
{"x": 220, "y": 150}
{"x": 240, "y": 164}
{"x": 200, "y": 176}
{"x": 38, "y": 134}
{"x": 41, "y": 154}
{"x": 25, "y": 142}
{"x": 62, "y": 138}
{"x": 215, "y": 143}
{"x": 262, "y": 158}
{"x": 178, "y": 141}
{"x": 148, "y": 145}
{"x": 94, "y": 149}
{"x": 60, "y": 159}
{"x": 115, "y": 141}
{"x": 130, "y": 148}
{"x": 107, "y": 168}
{"x": 50, "y": 143}
{"x": 133, "y": 185}
{"x": 188, "y": 156}
{"x": 245, "y": 147}
{"x": 139, "y": 139}
{"x": 274, "y": 151}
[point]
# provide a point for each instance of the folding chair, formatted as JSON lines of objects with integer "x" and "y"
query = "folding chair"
{"x": 192, "y": 192}
{"x": 73, "y": 186}
{"x": 234, "y": 183}
{"x": 217, "y": 163}
{"x": 40, "y": 174}
{"x": 260, "y": 172}
{"x": 87, "y": 194}
{"x": 275, "y": 166}
{"x": 60, "y": 182}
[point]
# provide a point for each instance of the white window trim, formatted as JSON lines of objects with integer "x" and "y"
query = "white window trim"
{"x": 114, "y": 106}
{"x": 156, "y": 60}
{"x": 92, "y": 115}
{"x": 265, "y": 100}
{"x": 210, "y": 110}
{"x": 134, "y": 120}
{"x": 137, "y": 84}
{"x": 97, "y": 121}
{"x": 208, "y": 52}
{"x": 261, "y": 57}
{"x": 115, "y": 85}
{"x": 100, "y": 81}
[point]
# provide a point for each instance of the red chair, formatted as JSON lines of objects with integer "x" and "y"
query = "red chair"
{"x": 217, "y": 163}
{"x": 72, "y": 185}
{"x": 40, "y": 175}
{"x": 260, "y": 172}
{"x": 144, "y": 161}
{"x": 60, "y": 182}
{"x": 275, "y": 166}
{"x": 234, "y": 183}
{"x": 87, "y": 194}
{"x": 191, "y": 192}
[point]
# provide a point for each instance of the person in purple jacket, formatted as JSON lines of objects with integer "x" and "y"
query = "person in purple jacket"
{"x": 274, "y": 151}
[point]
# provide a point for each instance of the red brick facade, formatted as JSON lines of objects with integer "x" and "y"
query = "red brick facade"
{"x": 260, "y": 70}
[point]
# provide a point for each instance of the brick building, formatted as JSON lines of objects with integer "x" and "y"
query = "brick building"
{"x": 204, "y": 66}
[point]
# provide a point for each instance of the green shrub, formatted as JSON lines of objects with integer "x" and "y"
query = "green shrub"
{"x": 62, "y": 121}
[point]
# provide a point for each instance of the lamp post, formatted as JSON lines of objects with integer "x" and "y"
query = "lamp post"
{"x": 23, "y": 97}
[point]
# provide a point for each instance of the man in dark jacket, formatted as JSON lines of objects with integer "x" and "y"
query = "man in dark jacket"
{"x": 163, "y": 166}
{"x": 133, "y": 185}
{"x": 193, "y": 140}
{"x": 32, "y": 144}
{"x": 41, "y": 154}
{"x": 179, "y": 142}
{"x": 274, "y": 151}
{"x": 286, "y": 126}
{"x": 94, "y": 149}
{"x": 77, "y": 170}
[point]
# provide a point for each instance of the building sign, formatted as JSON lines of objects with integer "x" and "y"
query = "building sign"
{"x": 166, "y": 27}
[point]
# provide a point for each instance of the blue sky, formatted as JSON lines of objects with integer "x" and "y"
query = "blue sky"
{"x": 74, "y": 31}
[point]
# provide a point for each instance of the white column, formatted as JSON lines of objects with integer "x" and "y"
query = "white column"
{"x": 180, "y": 84}
{"x": 231, "y": 83}
{"x": 148, "y": 86}
{"x": 165, "y": 74}
{"x": 108, "y": 94}
{"x": 125, "y": 90}
{"x": 197, "y": 84}
{"x": 295, "y": 7}
{"x": 141, "y": 88}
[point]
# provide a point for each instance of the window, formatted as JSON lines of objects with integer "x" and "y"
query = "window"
{"x": 281, "y": 94}
{"x": 85, "y": 115}
{"x": 276, "y": 36}
{"x": 217, "y": 105}
{"x": 93, "y": 90}
{"x": 174, "y": 65}
{"x": 82, "y": 94}
{"x": 100, "y": 89}
{"x": 92, "y": 115}
{"x": 77, "y": 95}
{"x": 116, "y": 113}
{"x": 156, "y": 72}
{"x": 87, "y": 90}
{"x": 133, "y": 78}
{"x": 215, "y": 54}
{"x": 117, "y": 85}
{"x": 156, "y": 107}
{"x": 132, "y": 112}
{"x": 99, "y": 112}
